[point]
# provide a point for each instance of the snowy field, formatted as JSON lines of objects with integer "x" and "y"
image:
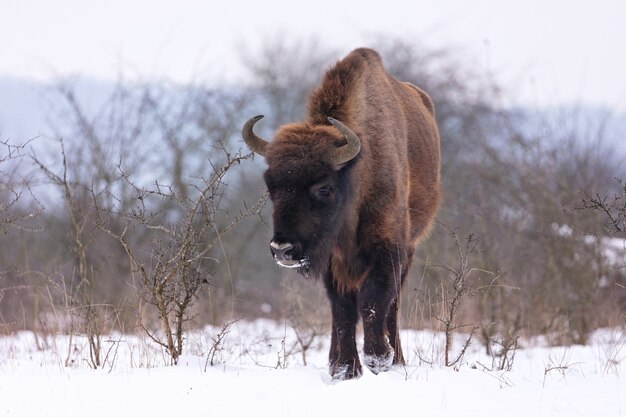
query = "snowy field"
{"x": 259, "y": 370}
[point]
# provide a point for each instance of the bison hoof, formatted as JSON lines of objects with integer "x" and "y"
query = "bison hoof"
{"x": 348, "y": 370}
{"x": 379, "y": 363}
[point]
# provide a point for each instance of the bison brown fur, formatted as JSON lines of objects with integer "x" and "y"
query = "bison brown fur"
{"x": 354, "y": 188}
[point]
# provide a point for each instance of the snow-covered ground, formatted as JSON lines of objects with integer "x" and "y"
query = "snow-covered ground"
{"x": 259, "y": 371}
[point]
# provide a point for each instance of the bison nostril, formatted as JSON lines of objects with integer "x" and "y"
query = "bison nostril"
{"x": 282, "y": 251}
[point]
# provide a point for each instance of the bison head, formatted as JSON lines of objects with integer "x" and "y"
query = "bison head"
{"x": 308, "y": 178}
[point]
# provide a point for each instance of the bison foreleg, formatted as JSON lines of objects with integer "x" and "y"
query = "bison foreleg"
{"x": 375, "y": 301}
{"x": 343, "y": 356}
{"x": 394, "y": 333}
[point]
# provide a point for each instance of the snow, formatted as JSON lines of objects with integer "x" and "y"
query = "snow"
{"x": 613, "y": 248}
{"x": 260, "y": 372}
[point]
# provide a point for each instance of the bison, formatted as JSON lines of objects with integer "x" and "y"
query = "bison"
{"x": 354, "y": 188}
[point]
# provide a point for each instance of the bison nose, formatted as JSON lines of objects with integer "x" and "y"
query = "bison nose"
{"x": 282, "y": 251}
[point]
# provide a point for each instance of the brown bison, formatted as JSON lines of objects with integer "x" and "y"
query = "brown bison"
{"x": 354, "y": 188}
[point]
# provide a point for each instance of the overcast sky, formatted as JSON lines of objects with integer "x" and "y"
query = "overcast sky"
{"x": 543, "y": 51}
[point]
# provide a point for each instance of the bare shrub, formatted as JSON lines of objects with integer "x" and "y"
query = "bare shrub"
{"x": 79, "y": 295}
{"x": 14, "y": 184}
{"x": 456, "y": 285}
{"x": 301, "y": 309}
{"x": 217, "y": 345}
{"x": 175, "y": 262}
{"x": 19, "y": 212}
{"x": 502, "y": 345}
{"x": 612, "y": 206}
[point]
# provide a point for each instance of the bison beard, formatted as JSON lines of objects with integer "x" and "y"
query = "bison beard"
{"x": 354, "y": 188}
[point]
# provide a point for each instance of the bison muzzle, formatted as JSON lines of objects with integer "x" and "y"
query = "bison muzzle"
{"x": 354, "y": 188}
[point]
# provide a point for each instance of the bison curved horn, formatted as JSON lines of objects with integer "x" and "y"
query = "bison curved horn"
{"x": 255, "y": 143}
{"x": 348, "y": 151}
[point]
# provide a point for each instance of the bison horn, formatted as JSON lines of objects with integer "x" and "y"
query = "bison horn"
{"x": 348, "y": 151}
{"x": 255, "y": 143}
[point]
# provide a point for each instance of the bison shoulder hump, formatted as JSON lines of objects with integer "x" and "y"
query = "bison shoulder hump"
{"x": 367, "y": 54}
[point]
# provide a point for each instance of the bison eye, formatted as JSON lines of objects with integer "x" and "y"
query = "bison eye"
{"x": 321, "y": 192}
{"x": 324, "y": 190}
